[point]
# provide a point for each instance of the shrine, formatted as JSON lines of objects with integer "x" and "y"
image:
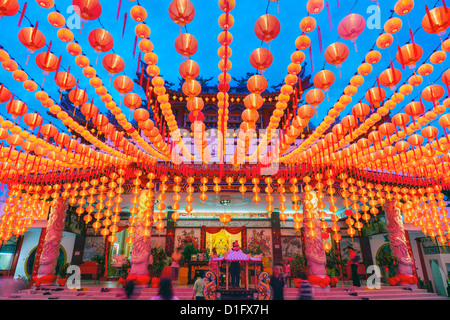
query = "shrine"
{"x": 233, "y": 143}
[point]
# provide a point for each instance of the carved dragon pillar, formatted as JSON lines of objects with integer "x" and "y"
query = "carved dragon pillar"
{"x": 50, "y": 250}
{"x": 399, "y": 246}
{"x": 141, "y": 251}
{"x": 315, "y": 253}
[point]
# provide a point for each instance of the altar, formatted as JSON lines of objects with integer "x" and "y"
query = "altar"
{"x": 241, "y": 257}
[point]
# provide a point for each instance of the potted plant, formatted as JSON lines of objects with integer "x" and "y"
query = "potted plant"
{"x": 388, "y": 264}
{"x": 334, "y": 265}
{"x": 298, "y": 266}
{"x": 125, "y": 272}
{"x": 156, "y": 268}
{"x": 62, "y": 275}
{"x": 188, "y": 251}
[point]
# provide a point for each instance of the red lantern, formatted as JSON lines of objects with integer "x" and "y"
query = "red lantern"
{"x": 375, "y": 96}
{"x": 414, "y": 109}
{"x": 433, "y": 93}
{"x": 142, "y": 31}
{"x": 314, "y": 97}
{"x": 308, "y": 24}
{"x": 5, "y": 94}
{"x": 78, "y": 97}
{"x": 181, "y": 12}
{"x": 186, "y": 44}
{"x": 257, "y": 84}
{"x": 351, "y": 27}
{"x": 267, "y": 27}
{"x": 32, "y": 38}
{"x": 8, "y": 8}
{"x": 393, "y": 25}
{"x": 141, "y": 115}
{"x": 101, "y": 40}
{"x": 303, "y": 42}
{"x": 385, "y": 40}
{"x": 88, "y": 9}
{"x": 436, "y": 20}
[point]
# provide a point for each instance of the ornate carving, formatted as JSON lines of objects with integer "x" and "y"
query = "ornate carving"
{"x": 315, "y": 253}
{"x": 263, "y": 287}
{"x": 398, "y": 243}
{"x": 210, "y": 286}
{"x": 142, "y": 246}
{"x": 52, "y": 242}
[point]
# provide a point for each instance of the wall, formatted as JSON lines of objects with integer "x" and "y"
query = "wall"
{"x": 31, "y": 240}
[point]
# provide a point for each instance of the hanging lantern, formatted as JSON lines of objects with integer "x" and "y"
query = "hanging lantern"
{"x": 186, "y": 44}
{"x": 261, "y": 59}
{"x": 267, "y": 27}
{"x": 182, "y": 12}
{"x": 32, "y": 38}
{"x": 113, "y": 63}
{"x": 351, "y": 27}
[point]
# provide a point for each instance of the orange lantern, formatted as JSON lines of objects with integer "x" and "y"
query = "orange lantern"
{"x": 226, "y": 21}
{"x": 132, "y": 101}
{"x": 375, "y": 96}
{"x": 65, "y": 35}
{"x": 145, "y": 45}
{"x": 390, "y": 78}
{"x": 438, "y": 57}
{"x": 425, "y": 70}
{"x": 403, "y": 7}
{"x": 32, "y": 120}
{"x": 303, "y": 42}
{"x": 261, "y": 59}
{"x": 409, "y": 54}
{"x": 47, "y": 61}
{"x": 308, "y": 24}
{"x": 78, "y": 96}
{"x": 433, "y": 93}
{"x": 82, "y": 61}
{"x": 297, "y": 57}
{"x": 138, "y": 13}
{"x": 142, "y": 31}
{"x": 17, "y": 108}
{"x": 65, "y": 81}
{"x": 267, "y": 27}
{"x": 74, "y": 49}
{"x": 56, "y": 19}
{"x": 324, "y": 80}
{"x": 186, "y": 44}
{"x": 113, "y": 63}
{"x": 123, "y": 84}
{"x": 181, "y": 12}
{"x": 393, "y": 25}
{"x": 257, "y": 84}
{"x": 360, "y": 111}
{"x": 385, "y": 40}
{"x": 314, "y": 6}
{"x": 314, "y": 97}
{"x": 414, "y": 109}
{"x": 30, "y": 85}
{"x": 189, "y": 69}
{"x": 89, "y": 110}
{"x": 373, "y": 56}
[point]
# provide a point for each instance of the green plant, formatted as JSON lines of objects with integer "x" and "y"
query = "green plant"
{"x": 298, "y": 265}
{"x": 334, "y": 263}
{"x": 62, "y": 272}
{"x": 159, "y": 262}
{"x": 125, "y": 269}
{"x": 188, "y": 251}
{"x": 387, "y": 262}
{"x": 101, "y": 261}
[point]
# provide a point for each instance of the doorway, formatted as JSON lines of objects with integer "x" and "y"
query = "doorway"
{"x": 437, "y": 277}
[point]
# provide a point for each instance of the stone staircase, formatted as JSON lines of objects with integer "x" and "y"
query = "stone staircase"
{"x": 185, "y": 293}
{"x": 385, "y": 293}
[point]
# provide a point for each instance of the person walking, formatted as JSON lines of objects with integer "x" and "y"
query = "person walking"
{"x": 277, "y": 283}
{"x": 176, "y": 259}
{"x": 306, "y": 292}
{"x": 165, "y": 290}
{"x": 199, "y": 288}
{"x": 354, "y": 259}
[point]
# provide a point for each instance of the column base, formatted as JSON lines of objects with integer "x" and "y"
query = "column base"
{"x": 44, "y": 280}
{"x": 139, "y": 280}
{"x": 319, "y": 282}
{"x": 403, "y": 280}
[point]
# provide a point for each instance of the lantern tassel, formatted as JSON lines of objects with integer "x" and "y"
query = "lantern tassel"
{"x": 330, "y": 22}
